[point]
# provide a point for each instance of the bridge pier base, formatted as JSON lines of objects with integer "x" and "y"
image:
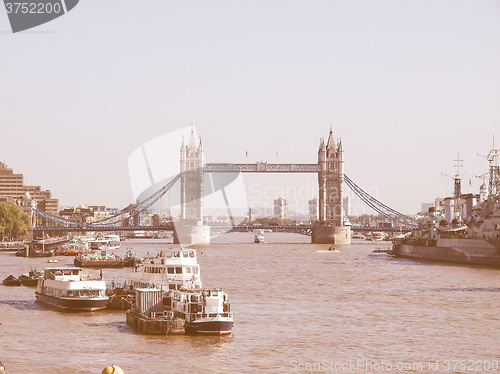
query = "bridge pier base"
{"x": 188, "y": 235}
{"x": 331, "y": 235}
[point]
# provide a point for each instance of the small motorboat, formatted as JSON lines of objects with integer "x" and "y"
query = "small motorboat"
{"x": 11, "y": 281}
{"x": 31, "y": 279}
{"x": 131, "y": 259}
{"x": 258, "y": 238}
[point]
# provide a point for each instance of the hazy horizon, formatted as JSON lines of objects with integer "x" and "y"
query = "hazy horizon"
{"x": 406, "y": 85}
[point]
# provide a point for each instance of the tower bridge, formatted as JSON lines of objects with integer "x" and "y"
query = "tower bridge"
{"x": 331, "y": 227}
{"x": 330, "y": 171}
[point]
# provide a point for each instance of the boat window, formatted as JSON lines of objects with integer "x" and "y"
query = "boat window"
{"x": 196, "y": 270}
{"x": 176, "y": 254}
{"x": 171, "y": 286}
{"x": 170, "y": 270}
{"x": 188, "y": 270}
{"x": 178, "y": 270}
{"x": 191, "y": 254}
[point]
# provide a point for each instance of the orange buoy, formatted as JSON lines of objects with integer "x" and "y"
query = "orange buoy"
{"x": 113, "y": 369}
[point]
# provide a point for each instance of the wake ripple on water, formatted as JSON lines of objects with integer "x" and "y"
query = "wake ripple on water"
{"x": 21, "y": 304}
{"x": 464, "y": 289}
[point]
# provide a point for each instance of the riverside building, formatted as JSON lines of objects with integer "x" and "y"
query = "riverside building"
{"x": 12, "y": 189}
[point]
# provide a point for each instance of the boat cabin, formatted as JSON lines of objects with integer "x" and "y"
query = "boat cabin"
{"x": 171, "y": 269}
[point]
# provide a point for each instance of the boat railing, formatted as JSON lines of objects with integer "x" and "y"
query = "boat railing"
{"x": 162, "y": 314}
{"x": 212, "y": 315}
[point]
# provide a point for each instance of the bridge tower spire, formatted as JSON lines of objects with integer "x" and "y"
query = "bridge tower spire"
{"x": 190, "y": 229}
{"x": 330, "y": 179}
{"x": 331, "y": 227}
{"x": 191, "y": 168}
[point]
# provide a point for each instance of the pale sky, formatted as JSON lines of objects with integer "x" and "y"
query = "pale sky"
{"x": 407, "y": 85}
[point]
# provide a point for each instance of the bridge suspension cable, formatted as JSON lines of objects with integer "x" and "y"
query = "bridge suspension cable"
{"x": 149, "y": 201}
{"x": 117, "y": 218}
{"x": 378, "y": 206}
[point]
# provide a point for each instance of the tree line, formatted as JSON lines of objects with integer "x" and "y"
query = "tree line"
{"x": 14, "y": 222}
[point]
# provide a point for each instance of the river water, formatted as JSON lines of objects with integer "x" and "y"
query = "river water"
{"x": 297, "y": 307}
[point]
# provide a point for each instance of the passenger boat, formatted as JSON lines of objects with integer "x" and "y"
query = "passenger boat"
{"x": 149, "y": 315}
{"x": 12, "y": 246}
{"x": 109, "y": 241}
{"x": 377, "y": 236}
{"x": 98, "y": 260}
{"x": 71, "y": 289}
{"x": 206, "y": 311}
{"x": 465, "y": 232}
{"x": 171, "y": 269}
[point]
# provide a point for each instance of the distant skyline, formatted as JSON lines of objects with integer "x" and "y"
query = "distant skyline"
{"x": 406, "y": 85}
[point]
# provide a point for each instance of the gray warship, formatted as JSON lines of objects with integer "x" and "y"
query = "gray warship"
{"x": 465, "y": 229}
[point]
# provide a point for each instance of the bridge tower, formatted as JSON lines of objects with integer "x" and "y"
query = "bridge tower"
{"x": 331, "y": 227}
{"x": 191, "y": 181}
{"x": 190, "y": 228}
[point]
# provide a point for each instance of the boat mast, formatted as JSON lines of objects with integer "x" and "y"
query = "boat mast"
{"x": 457, "y": 180}
{"x": 494, "y": 160}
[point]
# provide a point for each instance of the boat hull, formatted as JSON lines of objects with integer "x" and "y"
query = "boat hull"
{"x": 98, "y": 263}
{"x": 155, "y": 326}
{"x": 11, "y": 281}
{"x": 445, "y": 254}
{"x": 28, "y": 281}
{"x": 73, "y": 304}
{"x": 209, "y": 327}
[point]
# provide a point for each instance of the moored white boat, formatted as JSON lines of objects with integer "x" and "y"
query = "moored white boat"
{"x": 71, "y": 289}
{"x": 206, "y": 311}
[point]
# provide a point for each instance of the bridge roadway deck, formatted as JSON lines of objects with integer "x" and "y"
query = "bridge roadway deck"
{"x": 104, "y": 228}
{"x": 303, "y": 229}
{"x": 262, "y": 167}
